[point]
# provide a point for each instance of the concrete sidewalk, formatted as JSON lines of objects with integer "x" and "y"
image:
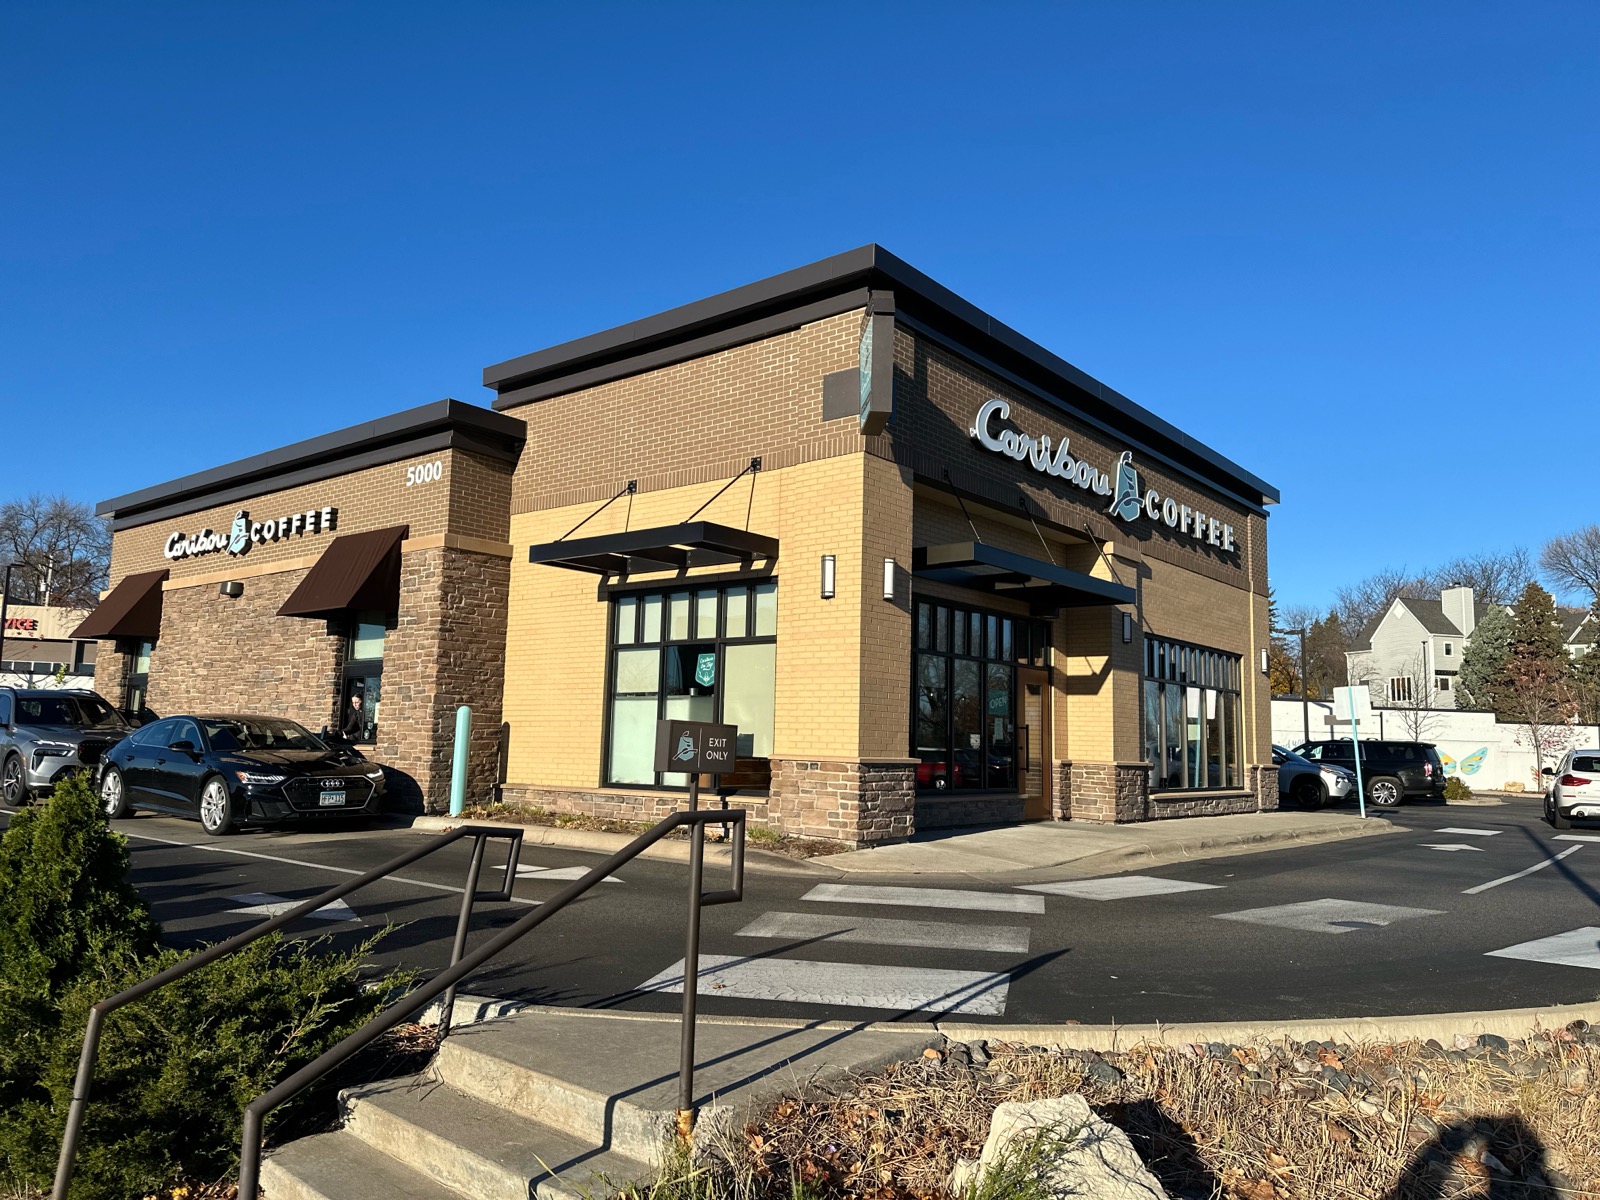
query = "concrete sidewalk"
{"x": 1034, "y": 853}
{"x": 1052, "y": 850}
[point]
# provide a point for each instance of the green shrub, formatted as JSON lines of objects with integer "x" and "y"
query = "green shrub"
{"x": 176, "y": 1068}
{"x": 1455, "y": 788}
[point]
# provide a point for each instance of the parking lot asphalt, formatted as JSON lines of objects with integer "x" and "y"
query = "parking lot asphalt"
{"x": 1463, "y": 908}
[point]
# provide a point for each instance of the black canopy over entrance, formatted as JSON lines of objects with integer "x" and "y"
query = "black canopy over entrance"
{"x": 1043, "y": 585}
{"x": 667, "y": 548}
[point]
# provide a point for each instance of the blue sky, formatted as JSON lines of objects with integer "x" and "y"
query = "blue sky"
{"x": 1352, "y": 246}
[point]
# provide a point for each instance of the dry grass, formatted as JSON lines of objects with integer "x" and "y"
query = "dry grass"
{"x": 1412, "y": 1124}
{"x": 759, "y": 838}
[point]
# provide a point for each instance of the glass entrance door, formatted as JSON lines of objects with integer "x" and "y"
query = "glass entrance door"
{"x": 1033, "y": 743}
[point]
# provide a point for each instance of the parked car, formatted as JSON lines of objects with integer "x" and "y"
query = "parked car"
{"x": 1574, "y": 791}
{"x": 233, "y": 771}
{"x": 1390, "y": 771}
{"x": 1311, "y": 785}
{"x": 45, "y": 735}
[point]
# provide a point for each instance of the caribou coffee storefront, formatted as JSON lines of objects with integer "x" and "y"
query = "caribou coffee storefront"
{"x": 933, "y": 574}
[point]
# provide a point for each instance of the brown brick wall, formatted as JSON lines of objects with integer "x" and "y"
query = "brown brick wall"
{"x": 691, "y": 422}
{"x": 446, "y": 650}
{"x": 857, "y": 803}
{"x": 220, "y": 655}
{"x": 620, "y": 804}
{"x": 1107, "y": 793}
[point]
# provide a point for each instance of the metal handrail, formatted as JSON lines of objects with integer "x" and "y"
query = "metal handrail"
{"x": 481, "y": 834}
{"x": 255, "y": 1112}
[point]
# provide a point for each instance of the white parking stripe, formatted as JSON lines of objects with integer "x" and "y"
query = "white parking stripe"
{"x": 1494, "y": 883}
{"x": 1576, "y": 948}
{"x": 1576, "y": 837}
{"x": 1471, "y": 832}
{"x": 842, "y": 985}
{"x": 1127, "y": 887}
{"x": 885, "y": 931}
{"x": 568, "y": 873}
{"x": 297, "y": 862}
{"x": 914, "y": 897}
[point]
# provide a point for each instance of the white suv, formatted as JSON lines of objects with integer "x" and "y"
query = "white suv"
{"x": 1574, "y": 793}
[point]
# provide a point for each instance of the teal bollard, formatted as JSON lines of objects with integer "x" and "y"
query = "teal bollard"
{"x": 458, "y": 760}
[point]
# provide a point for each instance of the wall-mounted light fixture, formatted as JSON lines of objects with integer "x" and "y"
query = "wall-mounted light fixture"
{"x": 232, "y": 589}
{"x": 1127, "y": 628}
{"x": 888, "y": 579}
{"x": 828, "y": 571}
{"x": 1265, "y": 667}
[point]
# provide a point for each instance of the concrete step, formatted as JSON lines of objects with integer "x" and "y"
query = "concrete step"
{"x": 340, "y": 1166}
{"x": 473, "y": 1147}
{"x": 613, "y": 1079}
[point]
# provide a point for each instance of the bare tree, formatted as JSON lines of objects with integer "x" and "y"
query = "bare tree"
{"x": 1418, "y": 701}
{"x": 1359, "y": 604}
{"x": 1495, "y": 576}
{"x": 62, "y": 551}
{"x": 1571, "y": 561}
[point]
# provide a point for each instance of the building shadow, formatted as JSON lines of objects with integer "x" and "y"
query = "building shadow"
{"x": 1481, "y": 1158}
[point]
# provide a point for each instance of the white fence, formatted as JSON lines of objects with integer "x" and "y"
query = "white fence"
{"x": 1487, "y": 755}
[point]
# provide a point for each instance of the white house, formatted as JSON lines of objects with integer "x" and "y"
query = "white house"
{"x": 1410, "y": 656}
{"x": 1411, "y": 653}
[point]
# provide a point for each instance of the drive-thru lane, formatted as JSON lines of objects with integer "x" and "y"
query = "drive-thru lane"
{"x": 1462, "y": 908}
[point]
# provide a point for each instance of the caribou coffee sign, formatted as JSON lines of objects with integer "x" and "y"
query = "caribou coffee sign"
{"x": 246, "y": 533}
{"x": 1129, "y": 500}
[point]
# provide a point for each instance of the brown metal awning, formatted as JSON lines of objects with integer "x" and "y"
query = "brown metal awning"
{"x": 358, "y": 571}
{"x": 667, "y": 548}
{"x": 132, "y": 609}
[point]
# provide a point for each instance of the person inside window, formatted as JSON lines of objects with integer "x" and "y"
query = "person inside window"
{"x": 355, "y": 719}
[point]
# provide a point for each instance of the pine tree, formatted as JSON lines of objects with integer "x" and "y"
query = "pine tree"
{"x": 1483, "y": 662}
{"x": 1533, "y": 690}
{"x": 1585, "y": 675}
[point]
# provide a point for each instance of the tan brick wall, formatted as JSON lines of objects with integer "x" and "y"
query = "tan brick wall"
{"x": 465, "y": 502}
{"x": 556, "y": 643}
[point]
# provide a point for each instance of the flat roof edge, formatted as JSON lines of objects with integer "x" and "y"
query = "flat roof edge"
{"x": 917, "y": 293}
{"x": 397, "y": 428}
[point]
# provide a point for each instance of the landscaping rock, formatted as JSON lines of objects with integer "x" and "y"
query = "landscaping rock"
{"x": 1095, "y": 1160}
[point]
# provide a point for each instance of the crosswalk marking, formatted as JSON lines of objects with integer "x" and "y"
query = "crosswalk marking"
{"x": 1328, "y": 915}
{"x": 1538, "y": 866}
{"x": 1127, "y": 887}
{"x": 264, "y": 904}
{"x": 884, "y": 931}
{"x": 843, "y": 985}
{"x": 1471, "y": 832}
{"x": 1575, "y": 948}
{"x": 915, "y": 897}
{"x": 1576, "y": 837}
{"x": 559, "y": 873}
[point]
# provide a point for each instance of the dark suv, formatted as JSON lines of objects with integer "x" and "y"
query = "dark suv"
{"x": 1390, "y": 771}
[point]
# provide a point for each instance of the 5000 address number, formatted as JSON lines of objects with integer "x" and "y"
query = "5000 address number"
{"x": 426, "y": 473}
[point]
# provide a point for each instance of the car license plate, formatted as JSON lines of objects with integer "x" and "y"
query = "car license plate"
{"x": 332, "y": 800}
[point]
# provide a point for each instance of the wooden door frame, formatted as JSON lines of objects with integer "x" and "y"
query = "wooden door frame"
{"x": 1040, "y": 676}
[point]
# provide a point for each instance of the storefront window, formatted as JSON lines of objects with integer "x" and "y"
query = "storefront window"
{"x": 363, "y": 677}
{"x": 963, "y": 720}
{"x": 137, "y": 688}
{"x": 709, "y": 655}
{"x": 1191, "y": 711}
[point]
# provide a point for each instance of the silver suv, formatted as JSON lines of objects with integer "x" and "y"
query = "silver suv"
{"x": 46, "y": 735}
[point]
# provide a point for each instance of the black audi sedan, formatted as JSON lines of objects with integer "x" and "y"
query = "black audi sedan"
{"x": 234, "y": 771}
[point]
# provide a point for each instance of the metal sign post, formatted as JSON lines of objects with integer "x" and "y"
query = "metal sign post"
{"x": 698, "y": 747}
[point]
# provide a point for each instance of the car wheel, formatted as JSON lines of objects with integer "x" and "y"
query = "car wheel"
{"x": 1553, "y": 815}
{"x": 13, "y": 782}
{"x": 114, "y": 794}
{"x": 1307, "y": 792}
{"x": 1385, "y": 792}
{"x": 216, "y": 807}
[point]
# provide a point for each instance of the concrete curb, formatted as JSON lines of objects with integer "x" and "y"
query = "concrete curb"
{"x": 1508, "y": 1023}
{"x": 755, "y": 861}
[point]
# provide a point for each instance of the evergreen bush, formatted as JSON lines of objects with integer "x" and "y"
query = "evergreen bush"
{"x": 1455, "y": 788}
{"x": 176, "y": 1068}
